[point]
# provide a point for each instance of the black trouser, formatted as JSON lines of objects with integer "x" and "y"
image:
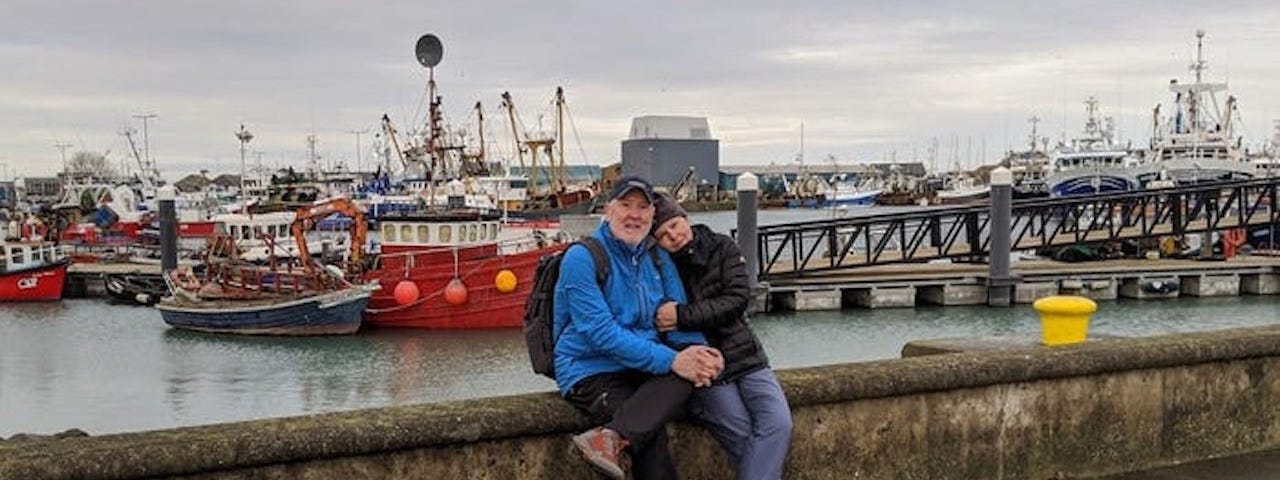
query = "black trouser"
{"x": 637, "y": 406}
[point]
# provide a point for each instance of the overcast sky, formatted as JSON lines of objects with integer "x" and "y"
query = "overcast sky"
{"x": 868, "y": 80}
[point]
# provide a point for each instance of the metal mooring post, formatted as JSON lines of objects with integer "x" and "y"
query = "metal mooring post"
{"x": 168, "y": 229}
{"x": 999, "y": 282}
{"x": 748, "y": 206}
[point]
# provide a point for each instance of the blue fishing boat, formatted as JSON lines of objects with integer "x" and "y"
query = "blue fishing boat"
{"x": 1094, "y": 163}
{"x": 232, "y": 296}
{"x": 328, "y": 313}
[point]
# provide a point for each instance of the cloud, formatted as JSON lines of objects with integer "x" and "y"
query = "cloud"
{"x": 866, "y": 79}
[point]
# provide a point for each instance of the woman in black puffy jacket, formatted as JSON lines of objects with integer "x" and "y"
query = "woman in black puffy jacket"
{"x": 745, "y": 409}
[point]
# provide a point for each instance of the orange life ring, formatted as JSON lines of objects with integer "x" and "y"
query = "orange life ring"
{"x": 184, "y": 279}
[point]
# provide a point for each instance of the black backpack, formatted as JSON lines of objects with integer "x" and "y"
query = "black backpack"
{"x": 539, "y": 311}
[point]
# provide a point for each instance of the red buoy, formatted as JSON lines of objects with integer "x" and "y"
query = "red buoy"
{"x": 406, "y": 292}
{"x": 455, "y": 293}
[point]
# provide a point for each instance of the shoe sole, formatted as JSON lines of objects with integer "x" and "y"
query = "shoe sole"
{"x": 600, "y": 465}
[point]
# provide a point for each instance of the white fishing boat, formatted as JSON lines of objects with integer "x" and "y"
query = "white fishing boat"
{"x": 1197, "y": 141}
{"x": 961, "y": 188}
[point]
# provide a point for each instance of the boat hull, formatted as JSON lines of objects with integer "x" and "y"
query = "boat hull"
{"x": 334, "y": 313}
{"x": 1090, "y": 184}
{"x": 861, "y": 199}
{"x": 485, "y": 306}
{"x": 962, "y": 198}
{"x": 38, "y": 284}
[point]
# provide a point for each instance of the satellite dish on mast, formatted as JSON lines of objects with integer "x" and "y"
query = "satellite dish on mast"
{"x": 429, "y": 50}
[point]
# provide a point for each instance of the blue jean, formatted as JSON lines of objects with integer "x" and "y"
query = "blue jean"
{"x": 751, "y": 420}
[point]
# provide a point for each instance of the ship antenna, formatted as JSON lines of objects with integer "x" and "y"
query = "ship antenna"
{"x": 1199, "y": 66}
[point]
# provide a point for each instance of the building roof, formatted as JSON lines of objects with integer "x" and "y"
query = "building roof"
{"x": 670, "y": 127}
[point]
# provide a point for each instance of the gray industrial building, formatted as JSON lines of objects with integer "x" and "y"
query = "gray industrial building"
{"x": 663, "y": 148}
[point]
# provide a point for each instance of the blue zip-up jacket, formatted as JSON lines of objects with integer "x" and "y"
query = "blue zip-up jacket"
{"x": 612, "y": 330}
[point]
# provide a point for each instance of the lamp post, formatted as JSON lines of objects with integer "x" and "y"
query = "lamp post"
{"x": 244, "y": 136}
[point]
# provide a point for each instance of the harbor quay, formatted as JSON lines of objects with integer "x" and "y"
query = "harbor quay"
{"x": 1018, "y": 410}
{"x": 947, "y": 284}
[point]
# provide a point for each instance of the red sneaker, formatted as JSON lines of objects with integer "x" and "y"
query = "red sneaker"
{"x": 603, "y": 450}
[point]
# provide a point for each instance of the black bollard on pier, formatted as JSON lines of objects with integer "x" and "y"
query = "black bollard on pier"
{"x": 165, "y": 196}
{"x": 748, "y": 206}
{"x": 999, "y": 281}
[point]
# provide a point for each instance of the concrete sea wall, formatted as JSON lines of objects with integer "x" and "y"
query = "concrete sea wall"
{"x": 1066, "y": 412}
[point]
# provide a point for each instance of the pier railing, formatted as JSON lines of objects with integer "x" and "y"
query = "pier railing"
{"x": 795, "y": 250}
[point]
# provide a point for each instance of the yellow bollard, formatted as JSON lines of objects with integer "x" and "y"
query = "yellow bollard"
{"x": 1064, "y": 319}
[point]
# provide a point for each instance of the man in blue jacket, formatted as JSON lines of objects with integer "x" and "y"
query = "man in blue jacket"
{"x": 611, "y": 362}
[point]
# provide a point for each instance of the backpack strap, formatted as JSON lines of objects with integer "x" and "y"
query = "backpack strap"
{"x": 600, "y": 258}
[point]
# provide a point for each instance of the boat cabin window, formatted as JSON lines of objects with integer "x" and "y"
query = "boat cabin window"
{"x": 406, "y": 233}
{"x": 493, "y": 231}
{"x": 389, "y": 233}
{"x": 424, "y": 233}
{"x": 471, "y": 233}
{"x": 446, "y": 233}
{"x": 15, "y": 256}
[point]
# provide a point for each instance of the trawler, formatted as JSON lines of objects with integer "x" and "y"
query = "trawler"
{"x": 1197, "y": 141}
{"x": 1092, "y": 163}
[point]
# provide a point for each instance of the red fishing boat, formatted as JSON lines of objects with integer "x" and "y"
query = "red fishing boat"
{"x": 456, "y": 269}
{"x": 31, "y": 271}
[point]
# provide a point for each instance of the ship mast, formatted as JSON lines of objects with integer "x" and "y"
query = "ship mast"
{"x": 429, "y": 52}
{"x": 557, "y": 170}
{"x": 510, "y": 107}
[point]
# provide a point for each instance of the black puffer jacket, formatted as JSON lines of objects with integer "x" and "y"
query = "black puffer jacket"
{"x": 715, "y": 277}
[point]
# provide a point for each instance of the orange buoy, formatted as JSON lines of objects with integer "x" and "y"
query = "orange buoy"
{"x": 406, "y": 292}
{"x": 505, "y": 281}
{"x": 455, "y": 293}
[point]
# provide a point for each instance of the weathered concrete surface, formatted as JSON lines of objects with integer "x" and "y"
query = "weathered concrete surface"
{"x": 877, "y": 297}
{"x": 1085, "y": 410}
{"x": 1029, "y": 292}
{"x": 953, "y": 294}
{"x": 1260, "y": 284}
{"x": 806, "y": 300}
{"x": 1250, "y": 466}
{"x": 1095, "y": 289}
{"x": 938, "y": 346}
{"x": 1210, "y": 285}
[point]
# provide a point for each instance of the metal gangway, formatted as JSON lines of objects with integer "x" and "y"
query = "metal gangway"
{"x": 801, "y": 249}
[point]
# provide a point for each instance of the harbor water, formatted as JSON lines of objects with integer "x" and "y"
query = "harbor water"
{"x": 109, "y": 368}
{"x": 106, "y": 368}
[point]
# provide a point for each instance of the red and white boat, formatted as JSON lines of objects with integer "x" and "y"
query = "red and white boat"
{"x": 456, "y": 269}
{"x": 31, "y": 271}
